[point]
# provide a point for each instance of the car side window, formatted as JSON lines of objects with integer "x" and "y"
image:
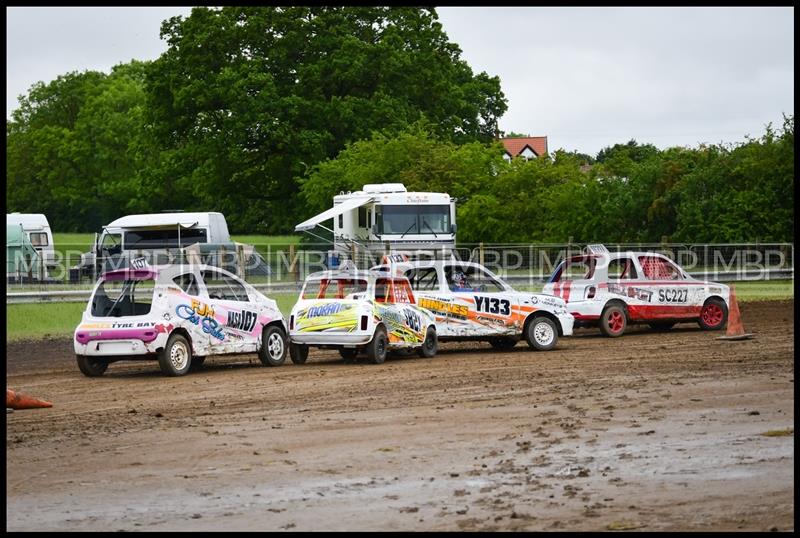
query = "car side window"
{"x": 656, "y": 268}
{"x": 223, "y": 287}
{"x": 470, "y": 278}
{"x": 188, "y": 283}
{"x": 622, "y": 268}
{"x": 425, "y": 279}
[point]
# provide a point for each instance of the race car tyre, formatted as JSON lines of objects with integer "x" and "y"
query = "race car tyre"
{"x": 376, "y": 349}
{"x": 348, "y": 353}
{"x": 431, "y": 344}
{"x": 613, "y": 321}
{"x": 299, "y": 353}
{"x": 661, "y": 325}
{"x": 503, "y": 343}
{"x": 91, "y": 367}
{"x": 541, "y": 333}
{"x": 714, "y": 315}
{"x": 273, "y": 346}
{"x": 197, "y": 362}
{"x": 176, "y": 357}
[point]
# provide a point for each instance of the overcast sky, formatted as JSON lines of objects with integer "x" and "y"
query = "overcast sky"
{"x": 584, "y": 77}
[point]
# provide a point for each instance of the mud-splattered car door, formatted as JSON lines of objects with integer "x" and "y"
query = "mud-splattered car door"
{"x": 491, "y": 311}
{"x": 232, "y": 321}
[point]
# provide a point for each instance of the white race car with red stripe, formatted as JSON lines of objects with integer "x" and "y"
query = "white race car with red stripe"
{"x": 472, "y": 303}
{"x": 611, "y": 290}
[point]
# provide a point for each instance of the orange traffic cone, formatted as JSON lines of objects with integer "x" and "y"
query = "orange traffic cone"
{"x": 735, "y": 328}
{"x": 17, "y": 400}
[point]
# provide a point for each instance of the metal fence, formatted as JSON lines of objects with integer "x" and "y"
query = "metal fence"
{"x": 288, "y": 264}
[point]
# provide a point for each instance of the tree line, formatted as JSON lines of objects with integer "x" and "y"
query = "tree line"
{"x": 630, "y": 192}
{"x": 264, "y": 113}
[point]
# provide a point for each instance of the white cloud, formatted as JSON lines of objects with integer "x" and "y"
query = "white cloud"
{"x": 585, "y": 77}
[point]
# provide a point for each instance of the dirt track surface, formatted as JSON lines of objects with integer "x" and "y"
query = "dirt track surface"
{"x": 651, "y": 431}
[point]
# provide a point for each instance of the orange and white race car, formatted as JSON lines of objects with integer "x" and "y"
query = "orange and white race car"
{"x": 472, "y": 303}
{"x": 611, "y": 290}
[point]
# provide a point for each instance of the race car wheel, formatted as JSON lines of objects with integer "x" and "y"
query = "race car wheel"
{"x": 273, "y": 346}
{"x": 376, "y": 349}
{"x": 661, "y": 325}
{"x": 613, "y": 320}
{"x": 299, "y": 353}
{"x": 714, "y": 315}
{"x": 503, "y": 343}
{"x": 176, "y": 357}
{"x": 431, "y": 344}
{"x": 91, "y": 367}
{"x": 349, "y": 354}
{"x": 541, "y": 333}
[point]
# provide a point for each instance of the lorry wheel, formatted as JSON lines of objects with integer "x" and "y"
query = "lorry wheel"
{"x": 273, "y": 346}
{"x": 176, "y": 357}
{"x": 91, "y": 367}
{"x": 376, "y": 349}
{"x": 503, "y": 343}
{"x": 431, "y": 344}
{"x": 714, "y": 315}
{"x": 298, "y": 353}
{"x": 349, "y": 354}
{"x": 541, "y": 334}
{"x": 613, "y": 321}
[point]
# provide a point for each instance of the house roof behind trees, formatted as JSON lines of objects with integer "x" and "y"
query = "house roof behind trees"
{"x": 516, "y": 145}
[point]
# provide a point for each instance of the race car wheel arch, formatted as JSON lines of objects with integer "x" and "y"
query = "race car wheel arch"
{"x": 541, "y": 332}
{"x": 176, "y": 357}
{"x": 298, "y": 353}
{"x": 274, "y": 344}
{"x": 183, "y": 332}
{"x": 714, "y": 314}
{"x": 91, "y": 366}
{"x": 430, "y": 345}
{"x": 614, "y": 318}
{"x": 378, "y": 346}
{"x": 539, "y": 313}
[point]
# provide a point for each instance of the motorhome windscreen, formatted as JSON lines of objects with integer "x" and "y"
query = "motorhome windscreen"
{"x": 121, "y": 298}
{"x": 167, "y": 238}
{"x": 416, "y": 219}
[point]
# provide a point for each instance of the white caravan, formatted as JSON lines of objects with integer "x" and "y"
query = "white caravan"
{"x": 36, "y": 227}
{"x": 386, "y": 215}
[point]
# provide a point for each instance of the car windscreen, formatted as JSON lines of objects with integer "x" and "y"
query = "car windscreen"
{"x": 120, "y": 298}
{"x": 334, "y": 288}
{"x": 167, "y": 238}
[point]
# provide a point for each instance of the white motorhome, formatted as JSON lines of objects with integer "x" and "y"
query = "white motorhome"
{"x": 154, "y": 233}
{"x": 385, "y": 216}
{"x": 37, "y": 229}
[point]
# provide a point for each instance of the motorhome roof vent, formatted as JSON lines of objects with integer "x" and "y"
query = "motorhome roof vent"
{"x": 375, "y": 188}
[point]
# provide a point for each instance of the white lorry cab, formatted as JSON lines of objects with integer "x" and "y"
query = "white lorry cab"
{"x": 37, "y": 230}
{"x": 386, "y": 213}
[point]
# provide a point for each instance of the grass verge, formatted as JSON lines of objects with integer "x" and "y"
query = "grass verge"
{"x": 33, "y": 321}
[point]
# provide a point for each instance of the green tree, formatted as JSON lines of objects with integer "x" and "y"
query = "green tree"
{"x": 247, "y": 99}
{"x": 75, "y": 148}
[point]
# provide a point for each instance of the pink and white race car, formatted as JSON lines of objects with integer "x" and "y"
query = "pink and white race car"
{"x": 611, "y": 290}
{"x": 178, "y": 315}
